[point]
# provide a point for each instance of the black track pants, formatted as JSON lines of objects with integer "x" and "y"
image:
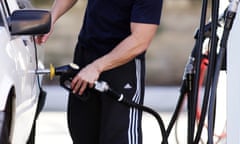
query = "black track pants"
{"x": 102, "y": 120}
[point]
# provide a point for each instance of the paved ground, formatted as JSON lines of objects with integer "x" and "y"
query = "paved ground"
{"x": 52, "y": 129}
{"x": 52, "y": 125}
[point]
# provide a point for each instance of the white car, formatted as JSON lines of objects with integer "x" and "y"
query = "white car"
{"x": 21, "y": 96}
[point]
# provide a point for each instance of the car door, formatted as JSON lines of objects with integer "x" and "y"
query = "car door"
{"x": 23, "y": 54}
{"x": 25, "y": 59}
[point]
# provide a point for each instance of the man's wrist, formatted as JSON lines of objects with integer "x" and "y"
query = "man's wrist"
{"x": 98, "y": 66}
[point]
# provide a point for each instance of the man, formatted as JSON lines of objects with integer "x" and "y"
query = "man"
{"x": 111, "y": 47}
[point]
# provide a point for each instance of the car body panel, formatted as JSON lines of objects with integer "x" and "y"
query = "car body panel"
{"x": 26, "y": 100}
{"x": 18, "y": 73}
{"x": 18, "y": 64}
{"x": 7, "y": 78}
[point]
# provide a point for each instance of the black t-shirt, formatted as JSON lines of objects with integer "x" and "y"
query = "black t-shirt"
{"x": 107, "y": 22}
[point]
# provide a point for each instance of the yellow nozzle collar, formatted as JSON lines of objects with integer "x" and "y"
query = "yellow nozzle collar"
{"x": 52, "y": 72}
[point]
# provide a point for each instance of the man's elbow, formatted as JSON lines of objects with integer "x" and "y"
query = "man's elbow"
{"x": 142, "y": 43}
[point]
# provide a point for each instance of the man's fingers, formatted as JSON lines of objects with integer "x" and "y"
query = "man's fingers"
{"x": 41, "y": 38}
{"x": 91, "y": 85}
{"x": 75, "y": 85}
{"x": 78, "y": 86}
{"x": 83, "y": 87}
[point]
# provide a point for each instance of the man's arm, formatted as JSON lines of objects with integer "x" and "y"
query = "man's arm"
{"x": 59, "y": 7}
{"x": 132, "y": 46}
{"x": 129, "y": 48}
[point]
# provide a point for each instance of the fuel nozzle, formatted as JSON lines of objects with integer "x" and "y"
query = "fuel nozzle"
{"x": 66, "y": 74}
{"x": 69, "y": 69}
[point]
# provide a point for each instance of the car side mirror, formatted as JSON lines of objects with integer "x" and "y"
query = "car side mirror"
{"x": 30, "y": 22}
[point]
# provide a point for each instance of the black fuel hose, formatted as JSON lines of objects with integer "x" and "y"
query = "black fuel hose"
{"x": 186, "y": 87}
{"x": 230, "y": 15}
{"x": 193, "y": 94}
{"x": 104, "y": 87}
{"x": 212, "y": 55}
{"x": 212, "y": 70}
{"x": 175, "y": 113}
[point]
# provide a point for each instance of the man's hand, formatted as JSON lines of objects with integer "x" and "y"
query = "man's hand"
{"x": 43, "y": 38}
{"x": 85, "y": 78}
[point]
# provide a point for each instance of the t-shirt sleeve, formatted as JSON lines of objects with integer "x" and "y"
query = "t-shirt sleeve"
{"x": 147, "y": 11}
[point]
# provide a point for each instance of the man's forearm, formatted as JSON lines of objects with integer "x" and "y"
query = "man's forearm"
{"x": 135, "y": 44}
{"x": 60, "y": 7}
